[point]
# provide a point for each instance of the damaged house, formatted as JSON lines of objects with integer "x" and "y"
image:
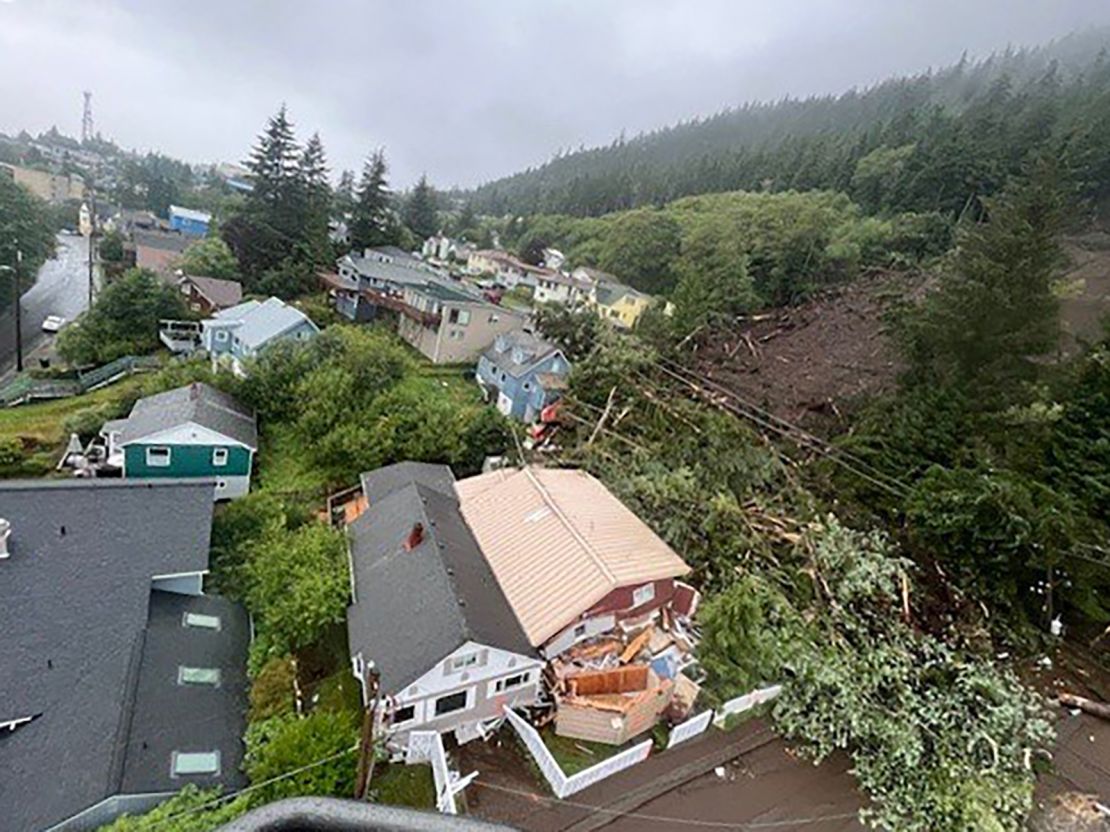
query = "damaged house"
{"x": 533, "y": 588}
{"x": 429, "y": 623}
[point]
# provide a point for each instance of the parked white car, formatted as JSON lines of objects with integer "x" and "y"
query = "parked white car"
{"x": 53, "y": 323}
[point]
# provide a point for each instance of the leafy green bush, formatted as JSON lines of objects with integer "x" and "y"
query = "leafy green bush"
{"x": 11, "y": 450}
{"x": 190, "y": 810}
{"x": 297, "y": 584}
{"x": 283, "y": 744}
{"x": 272, "y": 692}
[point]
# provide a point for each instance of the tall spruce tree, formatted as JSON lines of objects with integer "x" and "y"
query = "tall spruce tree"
{"x": 420, "y": 210}
{"x": 343, "y": 198}
{"x": 316, "y": 195}
{"x": 373, "y": 223}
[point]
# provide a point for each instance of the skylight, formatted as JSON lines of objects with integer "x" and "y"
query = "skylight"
{"x": 185, "y": 763}
{"x": 198, "y": 676}
{"x": 206, "y": 622}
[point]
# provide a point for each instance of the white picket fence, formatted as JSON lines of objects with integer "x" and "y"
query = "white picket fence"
{"x": 690, "y": 728}
{"x": 427, "y": 747}
{"x": 745, "y": 702}
{"x": 607, "y": 767}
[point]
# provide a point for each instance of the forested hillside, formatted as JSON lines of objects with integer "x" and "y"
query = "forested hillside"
{"x": 938, "y": 141}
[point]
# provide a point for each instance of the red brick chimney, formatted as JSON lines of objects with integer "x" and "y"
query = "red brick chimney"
{"x": 415, "y": 538}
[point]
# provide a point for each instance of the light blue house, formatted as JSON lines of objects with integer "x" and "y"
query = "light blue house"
{"x": 234, "y": 336}
{"x": 523, "y": 374}
{"x": 189, "y": 222}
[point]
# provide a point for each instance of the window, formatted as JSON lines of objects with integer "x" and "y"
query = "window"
{"x": 203, "y": 622}
{"x": 643, "y": 594}
{"x": 158, "y": 457}
{"x": 460, "y": 662}
{"x": 511, "y": 682}
{"x": 451, "y": 703}
{"x": 405, "y": 714}
{"x": 464, "y": 317}
{"x": 221, "y": 335}
{"x": 198, "y": 676}
{"x": 580, "y": 631}
{"x": 219, "y": 456}
{"x": 527, "y": 385}
{"x": 184, "y": 763}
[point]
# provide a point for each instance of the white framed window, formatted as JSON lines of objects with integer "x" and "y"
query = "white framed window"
{"x": 457, "y": 663}
{"x": 406, "y": 713}
{"x": 452, "y": 702}
{"x": 643, "y": 594}
{"x": 510, "y": 683}
{"x": 158, "y": 457}
{"x": 580, "y": 631}
{"x": 198, "y": 676}
{"x": 464, "y": 317}
{"x": 186, "y": 763}
{"x": 201, "y": 621}
{"x": 221, "y": 335}
{"x": 219, "y": 456}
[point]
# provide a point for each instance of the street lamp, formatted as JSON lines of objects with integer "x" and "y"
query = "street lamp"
{"x": 18, "y": 302}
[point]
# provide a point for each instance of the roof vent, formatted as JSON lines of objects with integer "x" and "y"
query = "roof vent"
{"x": 415, "y": 538}
{"x": 5, "y": 533}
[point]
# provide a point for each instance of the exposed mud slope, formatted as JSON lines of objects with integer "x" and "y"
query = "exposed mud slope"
{"x": 1084, "y": 290}
{"x": 807, "y": 363}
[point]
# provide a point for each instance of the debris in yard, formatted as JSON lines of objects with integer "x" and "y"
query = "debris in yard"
{"x": 1082, "y": 703}
{"x": 720, "y": 772}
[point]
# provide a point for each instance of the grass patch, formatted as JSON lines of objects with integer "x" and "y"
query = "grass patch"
{"x": 339, "y": 692}
{"x": 401, "y": 785}
{"x": 283, "y": 467}
{"x": 42, "y": 421}
{"x": 575, "y": 755}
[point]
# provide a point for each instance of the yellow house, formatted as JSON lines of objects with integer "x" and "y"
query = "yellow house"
{"x": 620, "y": 304}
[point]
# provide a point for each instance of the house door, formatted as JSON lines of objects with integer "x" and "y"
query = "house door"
{"x": 504, "y": 403}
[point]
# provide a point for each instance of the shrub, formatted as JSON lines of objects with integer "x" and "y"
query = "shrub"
{"x": 283, "y": 744}
{"x": 272, "y": 692}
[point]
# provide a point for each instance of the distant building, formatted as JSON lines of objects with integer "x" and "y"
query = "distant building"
{"x": 55, "y": 188}
{"x": 365, "y": 284}
{"x": 522, "y": 374}
{"x": 159, "y": 251}
{"x": 234, "y": 336}
{"x": 443, "y": 248}
{"x": 553, "y": 258}
{"x": 450, "y": 325}
{"x": 190, "y": 432}
{"x": 117, "y": 673}
{"x": 507, "y": 270}
{"x": 189, "y": 222}
{"x": 619, "y": 304}
{"x": 207, "y": 295}
{"x": 561, "y": 288}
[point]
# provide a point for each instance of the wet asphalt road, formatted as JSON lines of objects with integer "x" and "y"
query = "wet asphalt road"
{"x": 62, "y": 289}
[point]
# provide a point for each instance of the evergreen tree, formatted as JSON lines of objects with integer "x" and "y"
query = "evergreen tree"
{"x": 273, "y": 166}
{"x": 420, "y": 210}
{"x": 373, "y": 222}
{"x": 343, "y": 199}
{"x": 316, "y": 194}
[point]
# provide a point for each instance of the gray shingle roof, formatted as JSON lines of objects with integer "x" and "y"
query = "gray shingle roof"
{"x": 413, "y": 608}
{"x": 381, "y": 482}
{"x": 407, "y": 272}
{"x": 169, "y": 717}
{"x": 74, "y": 598}
{"x": 197, "y": 402}
{"x": 533, "y": 349}
{"x": 220, "y": 293}
{"x": 162, "y": 240}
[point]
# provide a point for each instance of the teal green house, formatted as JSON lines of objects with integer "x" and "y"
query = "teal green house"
{"x": 192, "y": 432}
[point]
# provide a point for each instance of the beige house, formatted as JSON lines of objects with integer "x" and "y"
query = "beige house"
{"x": 52, "y": 187}
{"x": 449, "y": 325}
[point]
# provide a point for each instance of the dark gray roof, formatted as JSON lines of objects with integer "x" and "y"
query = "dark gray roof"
{"x": 196, "y": 402}
{"x": 381, "y": 482}
{"x": 169, "y": 717}
{"x": 403, "y": 272}
{"x": 506, "y": 349}
{"x": 413, "y": 608}
{"x": 163, "y": 240}
{"x": 222, "y": 294}
{"x": 73, "y": 606}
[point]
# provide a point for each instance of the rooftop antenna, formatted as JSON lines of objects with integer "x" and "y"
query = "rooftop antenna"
{"x": 86, "y": 119}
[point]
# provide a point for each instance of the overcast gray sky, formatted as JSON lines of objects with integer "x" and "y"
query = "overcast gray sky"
{"x": 465, "y": 90}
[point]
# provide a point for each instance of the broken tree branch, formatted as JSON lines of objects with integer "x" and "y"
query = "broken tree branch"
{"x": 1088, "y": 706}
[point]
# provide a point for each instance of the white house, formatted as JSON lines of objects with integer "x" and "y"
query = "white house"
{"x": 429, "y": 624}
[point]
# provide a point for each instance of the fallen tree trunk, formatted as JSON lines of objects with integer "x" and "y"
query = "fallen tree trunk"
{"x": 1089, "y": 706}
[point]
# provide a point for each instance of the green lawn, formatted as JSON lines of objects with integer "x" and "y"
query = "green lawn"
{"x": 575, "y": 755}
{"x": 282, "y": 466}
{"x": 401, "y": 785}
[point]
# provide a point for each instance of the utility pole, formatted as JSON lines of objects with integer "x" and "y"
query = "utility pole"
{"x": 366, "y": 741}
{"x": 17, "y": 303}
{"x": 92, "y": 243}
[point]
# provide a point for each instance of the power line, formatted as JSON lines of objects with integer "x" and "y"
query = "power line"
{"x": 713, "y": 824}
{"x": 238, "y": 793}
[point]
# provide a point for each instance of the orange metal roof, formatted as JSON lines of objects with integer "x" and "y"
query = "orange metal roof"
{"x": 558, "y": 542}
